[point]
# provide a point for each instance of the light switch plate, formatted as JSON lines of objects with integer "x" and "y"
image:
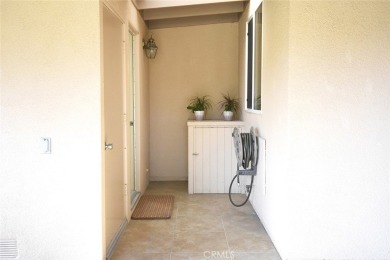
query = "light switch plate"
{"x": 45, "y": 145}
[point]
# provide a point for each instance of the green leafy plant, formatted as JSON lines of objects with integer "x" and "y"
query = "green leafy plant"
{"x": 200, "y": 104}
{"x": 229, "y": 104}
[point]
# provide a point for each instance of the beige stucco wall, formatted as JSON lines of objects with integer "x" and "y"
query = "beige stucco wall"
{"x": 191, "y": 61}
{"x": 50, "y": 87}
{"x": 325, "y": 120}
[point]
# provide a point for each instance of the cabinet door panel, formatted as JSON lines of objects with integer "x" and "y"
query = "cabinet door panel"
{"x": 213, "y": 144}
{"x": 221, "y": 159}
{"x": 228, "y": 148}
{"x": 205, "y": 157}
{"x": 212, "y": 160}
{"x": 198, "y": 163}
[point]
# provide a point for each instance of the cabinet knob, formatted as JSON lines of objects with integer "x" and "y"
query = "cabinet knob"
{"x": 195, "y": 154}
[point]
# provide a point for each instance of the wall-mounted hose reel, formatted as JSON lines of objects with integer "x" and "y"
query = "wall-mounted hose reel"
{"x": 246, "y": 147}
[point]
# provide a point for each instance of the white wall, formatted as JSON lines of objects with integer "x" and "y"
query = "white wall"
{"x": 191, "y": 61}
{"x": 50, "y": 87}
{"x": 326, "y": 121}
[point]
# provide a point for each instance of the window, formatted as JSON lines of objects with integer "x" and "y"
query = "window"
{"x": 249, "y": 76}
{"x": 254, "y": 61}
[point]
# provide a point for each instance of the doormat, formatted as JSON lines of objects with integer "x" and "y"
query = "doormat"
{"x": 154, "y": 207}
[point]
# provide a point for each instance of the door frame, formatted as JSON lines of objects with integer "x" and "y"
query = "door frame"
{"x": 131, "y": 30}
{"x": 107, "y": 249}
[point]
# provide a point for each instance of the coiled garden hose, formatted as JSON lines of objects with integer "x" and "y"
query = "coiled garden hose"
{"x": 247, "y": 197}
{"x": 247, "y": 149}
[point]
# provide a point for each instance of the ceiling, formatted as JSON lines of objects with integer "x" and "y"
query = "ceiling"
{"x": 174, "y": 13}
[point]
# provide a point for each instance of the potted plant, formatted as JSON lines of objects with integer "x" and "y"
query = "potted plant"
{"x": 230, "y": 106}
{"x": 199, "y": 105}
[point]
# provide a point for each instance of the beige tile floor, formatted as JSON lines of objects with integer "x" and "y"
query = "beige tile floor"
{"x": 203, "y": 226}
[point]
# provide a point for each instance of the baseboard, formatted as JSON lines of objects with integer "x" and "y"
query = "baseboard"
{"x": 168, "y": 178}
{"x": 114, "y": 241}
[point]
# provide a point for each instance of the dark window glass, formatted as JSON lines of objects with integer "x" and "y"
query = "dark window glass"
{"x": 249, "y": 83}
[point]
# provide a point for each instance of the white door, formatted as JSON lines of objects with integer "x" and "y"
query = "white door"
{"x": 113, "y": 124}
{"x": 132, "y": 193}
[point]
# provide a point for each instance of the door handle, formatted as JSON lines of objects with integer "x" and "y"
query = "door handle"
{"x": 195, "y": 154}
{"x": 108, "y": 146}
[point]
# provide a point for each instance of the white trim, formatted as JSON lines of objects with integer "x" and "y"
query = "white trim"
{"x": 131, "y": 29}
{"x": 254, "y": 111}
{"x": 144, "y": 5}
{"x": 114, "y": 241}
{"x": 113, "y": 11}
{"x": 211, "y": 123}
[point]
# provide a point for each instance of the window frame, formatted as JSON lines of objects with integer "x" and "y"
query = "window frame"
{"x": 250, "y": 62}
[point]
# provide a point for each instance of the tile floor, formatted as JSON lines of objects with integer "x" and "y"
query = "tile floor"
{"x": 203, "y": 226}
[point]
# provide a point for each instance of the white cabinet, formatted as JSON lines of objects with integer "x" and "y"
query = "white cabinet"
{"x": 211, "y": 158}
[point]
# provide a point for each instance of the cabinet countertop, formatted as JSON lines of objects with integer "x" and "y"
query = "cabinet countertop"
{"x": 214, "y": 123}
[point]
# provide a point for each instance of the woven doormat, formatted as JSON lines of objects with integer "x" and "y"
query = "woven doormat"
{"x": 154, "y": 207}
